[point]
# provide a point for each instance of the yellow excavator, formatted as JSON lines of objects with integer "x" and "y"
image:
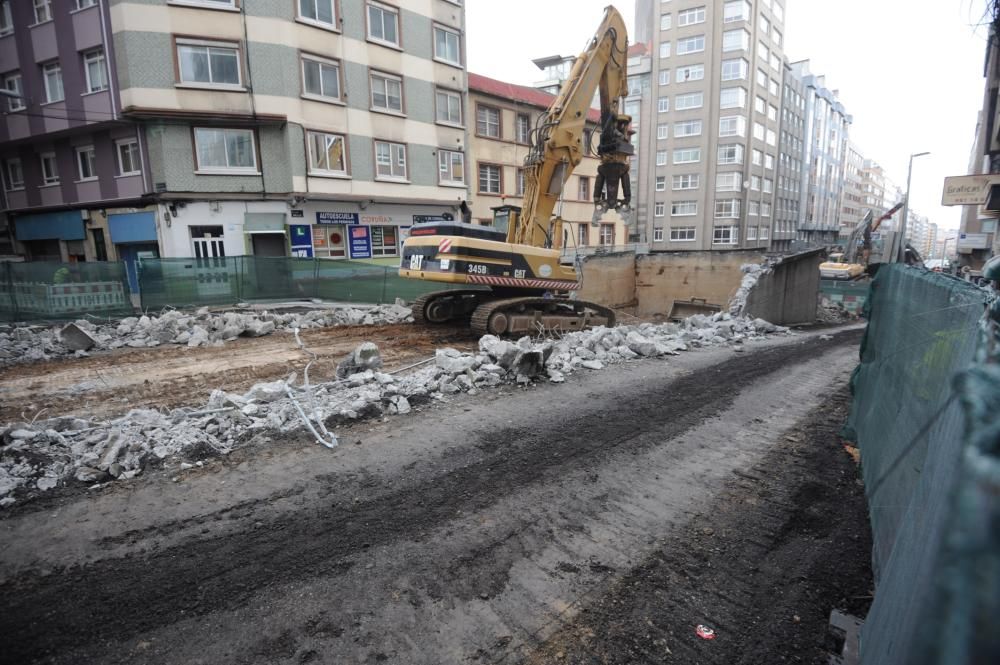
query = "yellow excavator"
{"x": 517, "y": 284}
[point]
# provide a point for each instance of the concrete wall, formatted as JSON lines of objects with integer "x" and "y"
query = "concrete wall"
{"x": 790, "y": 292}
{"x": 610, "y": 280}
{"x": 664, "y": 277}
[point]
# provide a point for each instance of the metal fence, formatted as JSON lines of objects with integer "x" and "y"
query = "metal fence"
{"x": 849, "y": 295}
{"x": 51, "y": 290}
{"x": 223, "y": 281}
{"x": 926, "y": 415}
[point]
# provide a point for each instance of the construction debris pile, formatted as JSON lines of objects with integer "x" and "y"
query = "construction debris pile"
{"x": 752, "y": 272}
{"x": 201, "y": 328}
{"x": 42, "y": 455}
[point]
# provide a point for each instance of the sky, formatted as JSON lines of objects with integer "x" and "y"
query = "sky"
{"x": 910, "y": 73}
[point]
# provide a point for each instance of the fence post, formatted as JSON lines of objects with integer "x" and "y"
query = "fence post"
{"x": 315, "y": 277}
{"x": 385, "y": 280}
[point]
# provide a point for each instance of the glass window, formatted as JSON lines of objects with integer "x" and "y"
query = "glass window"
{"x": 320, "y": 11}
{"x": 690, "y": 73}
{"x": 684, "y": 209}
{"x": 664, "y": 49}
{"x": 52, "y": 74}
{"x": 584, "y": 189}
{"x": 6, "y": 21}
{"x": 522, "y": 127}
{"x": 211, "y": 63}
{"x": 661, "y": 183}
{"x": 663, "y": 104}
{"x": 657, "y": 235}
{"x": 384, "y": 241}
{"x": 327, "y": 153}
{"x": 43, "y": 11}
{"x": 691, "y": 45}
{"x": 12, "y": 83}
{"x": 661, "y": 157}
{"x": 489, "y": 179}
{"x": 447, "y": 45}
{"x": 731, "y": 98}
{"x": 753, "y": 209}
{"x": 752, "y": 233}
{"x": 688, "y": 128}
{"x": 50, "y": 171}
{"x": 731, "y": 154}
{"x": 687, "y": 156}
{"x": 129, "y": 160}
{"x": 383, "y": 23}
{"x": 449, "y": 107}
{"x": 665, "y": 21}
{"x": 488, "y": 121}
{"x": 86, "y": 162}
{"x": 735, "y": 70}
{"x": 95, "y": 70}
{"x": 659, "y": 209}
{"x": 662, "y": 131}
{"x": 690, "y": 101}
{"x": 390, "y": 160}
{"x": 607, "y": 237}
{"x": 737, "y": 10}
{"x": 728, "y": 182}
{"x": 736, "y": 40}
{"x": 726, "y": 235}
{"x": 13, "y": 175}
{"x": 321, "y": 78}
{"x": 691, "y": 16}
{"x": 687, "y": 181}
{"x": 727, "y": 208}
{"x": 758, "y": 131}
{"x": 664, "y": 77}
{"x": 387, "y": 92}
{"x": 225, "y": 150}
{"x": 682, "y": 234}
{"x": 451, "y": 167}
{"x": 735, "y": 125}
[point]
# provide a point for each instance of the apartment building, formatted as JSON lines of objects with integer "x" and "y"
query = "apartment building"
{"x": 880, "y": 192}
{"x": 310, "y": 127}
{"x": 852, "y": 207}
{"x": 505, "y": 115}
{"x": 824, "y": 157}
{"x": 717, "y": 71}
{"x": 790, "y": 142}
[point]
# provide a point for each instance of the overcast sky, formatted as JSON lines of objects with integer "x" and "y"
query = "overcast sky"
{"x": 911, "y": 73}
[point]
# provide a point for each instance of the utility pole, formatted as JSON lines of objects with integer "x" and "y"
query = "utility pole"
{"x": 906, "y": 209}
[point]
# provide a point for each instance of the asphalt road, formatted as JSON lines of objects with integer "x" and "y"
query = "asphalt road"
{"x": 486, "y": 529}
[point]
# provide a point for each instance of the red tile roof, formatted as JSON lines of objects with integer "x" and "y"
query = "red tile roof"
{"x": 638, "y": 49}
{"x": 518, "y": 93}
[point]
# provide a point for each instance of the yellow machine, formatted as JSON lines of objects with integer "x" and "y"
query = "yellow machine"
{"x": 518, "y": 284}
{"x": 857, "y": 260}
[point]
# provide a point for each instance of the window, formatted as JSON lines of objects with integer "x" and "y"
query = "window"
{"x": 321, "y": 78}
{"x": 727, "y": 208}
{"x": 384, "y": 241}
{"x": 13, "y": 175}
{"x": 519, "y": 183}
{"x": 684, "y": 209}
{"x": 522, "y": 128}
{"x": 6, "y": 21}
{"x": 583, "y": 233}
{"x": 753, "y": 209}
{"x": 762, "y": 51}
{"x": 659, "y": 209}
{"x": 776, "y": 66}
{"x": 728, "y": 182}
{"x": 691, "y": 101}
{"x": 687, "y": 156}
{"x": 758, "y": 157}
{"x": 776, "y": 37}
{"x": 773, "y": 87}
{"x": 664, "y": 77}
{"x": 689, "y": 128}
{"x": 662, "y": 131}
{"x": 689, "y": 181}
{"x": 664, "y": 49}
{"x": 739, "y": 10}
{"x": 390, "y": 161}
{"x": 732, "y": 98}
{"x": 327, "y": 153}
{"x": 765, "y": 25}
{"x": 736, "y": 40}
{"x": 726, "y": 235}
{"x": 661, "y": 183}
{"x": 50, "y": 172}
{"x": 489, "y": 179}
{"x": 225, "y": 150}
{"x": 208, "y": 243}
{"x": 636, "y": 84}
{"x": 387, "y": 93}
{"x": 759, "y": 105}
{"x": 12, "y": 83}
{"x": 761, "y": 78}
{"x": 691, "y": 16}
{"x": 755, "y": 181}
{"x": 752, "y": 233}
{"x": 690, "y": 73}
{"x": 691, "y": 45}
{"x": 52, "y": 74}
{"x": 735, "y": 70}
{"x": 772, "y": 112}
{"x": 451, "y": 167}
{"x": 768, "y": 185}
{"x": 765, "y": 209}
{"x": 447, "y": 46}
{"x": 663, "y": 104}
{"x": 584, "y": 189}
{"x": 383, "y": 23}
{"x": 449, "y": 107}
{"x": 129, "y": 160}
{"x": 764, "y": 233}
{"x": 94, "y": 68}
{"x": 772, "y": 138}
{"x": 43, "y": 11}
{"x": 86, "y": 163}
{"x": 734, "y": 125}
{"x": 607, "y": 237}
{"x": 768, "y": 161}
{"x": 209, "y": 63}
{"x": 661, "y": 157}
{"x": 731, "y": 154}
{"x": 779, "y": 13}
{"x": 488, "y": 121}
{"x": 758, "y": 131}
{"x": 665, "y": 21}
{"x": 657, "y": 235}
{"x": 682, "y": 234}
{"x": 320, "y": 11}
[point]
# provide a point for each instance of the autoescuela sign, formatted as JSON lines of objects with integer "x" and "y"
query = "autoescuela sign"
{"x": 337, "y": 218}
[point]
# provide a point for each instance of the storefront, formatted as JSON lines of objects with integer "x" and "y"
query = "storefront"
{"x": 52, "y": 236}
{"x": 134, "y": 238}
{"x": 266, "y": 233}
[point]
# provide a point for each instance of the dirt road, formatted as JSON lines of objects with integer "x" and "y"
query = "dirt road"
{"x": 595, "y": 522}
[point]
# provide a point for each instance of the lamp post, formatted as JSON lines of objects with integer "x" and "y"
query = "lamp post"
{"x": 906, "y": 208}
{"x": 944, "y": 248}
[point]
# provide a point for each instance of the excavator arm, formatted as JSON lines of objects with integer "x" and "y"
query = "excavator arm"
{"x": 557, "y": 140}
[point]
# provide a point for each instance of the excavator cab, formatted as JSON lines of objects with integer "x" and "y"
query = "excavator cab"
{"x": 503, "y": 216}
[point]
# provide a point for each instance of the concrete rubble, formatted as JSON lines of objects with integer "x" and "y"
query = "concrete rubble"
{"x": 39, "y": 456}
{"x": 752, "y": 272}
{"x": 23, "y": 344}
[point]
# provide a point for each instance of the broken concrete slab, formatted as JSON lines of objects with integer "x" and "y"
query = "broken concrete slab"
{"x": 75, "y": 338}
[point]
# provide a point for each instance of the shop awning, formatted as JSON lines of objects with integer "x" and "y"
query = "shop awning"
{"x": 263, "y": 222}
{"x": 132, "y": 227}
{"x": 62, "y": 225}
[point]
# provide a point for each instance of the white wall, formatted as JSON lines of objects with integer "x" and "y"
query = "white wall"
{"x": 175, "y": 234}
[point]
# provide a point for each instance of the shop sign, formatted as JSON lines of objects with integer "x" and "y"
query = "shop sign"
{"x": 337, "y": 218}
{"x": 360, "y": 242}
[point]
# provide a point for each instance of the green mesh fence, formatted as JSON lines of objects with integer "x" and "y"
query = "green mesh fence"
{"x": 908, "y": 420}
{"x": 224, "y": 281}
{"x": 50, "y": 290}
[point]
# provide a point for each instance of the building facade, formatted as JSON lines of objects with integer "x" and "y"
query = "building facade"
{"x": 852, "y": 207}
{"x": 790, "y": 144}
{"x": 316, "y": 127}
{"x": 709, "y": 160}
{"x": 505, "y": 116}
{"x": 824, "y": 157}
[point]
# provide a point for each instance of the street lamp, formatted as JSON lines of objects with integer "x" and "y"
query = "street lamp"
{"x": 906, "y": 208}
{"x": 944, "y": 248}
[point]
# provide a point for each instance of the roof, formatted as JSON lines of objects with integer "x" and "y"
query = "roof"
{"x": 518, "y": 93}
{"x": 638, "y": 49}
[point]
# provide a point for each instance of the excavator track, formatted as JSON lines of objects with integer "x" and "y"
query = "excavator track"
{"x": 534, "y": 315}
{"x": 450, "y": 306}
